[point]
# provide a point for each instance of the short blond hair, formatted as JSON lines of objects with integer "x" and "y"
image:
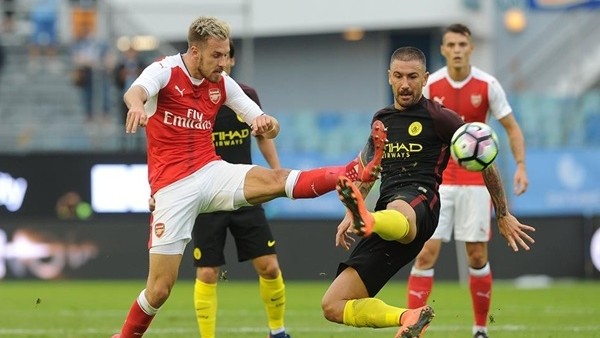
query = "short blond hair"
{"x": 208, "y": 27}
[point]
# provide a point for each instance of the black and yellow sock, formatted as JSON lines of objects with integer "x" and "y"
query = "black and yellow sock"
{"x": 371, "y": 312}
{"x": 390, "y": 224}
{"x": 272, "y": 292}
{"x": 205, "y": 303}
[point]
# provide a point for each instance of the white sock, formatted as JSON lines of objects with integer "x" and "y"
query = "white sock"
{"x": 421, "y": 273}
{"x": 143, "y": 302}
{"x": 290, "y": 183}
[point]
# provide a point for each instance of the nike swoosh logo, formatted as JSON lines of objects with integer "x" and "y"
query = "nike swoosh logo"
{"x": 270, "y": 244}
{"x": 276, "y": 298}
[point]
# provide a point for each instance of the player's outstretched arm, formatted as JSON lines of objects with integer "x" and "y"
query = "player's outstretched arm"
{"x": 135, "y": 98}
{"x": 517, "y": 147}
{"x": 510, "y": 228}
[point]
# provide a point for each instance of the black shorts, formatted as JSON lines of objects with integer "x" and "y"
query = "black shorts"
{"x": 249, "y": 228}
{"x": 377, "y": 260}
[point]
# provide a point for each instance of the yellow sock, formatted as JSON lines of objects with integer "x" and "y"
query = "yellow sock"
{"x": 272, "y": 292}
{"x": 390, "y": 224}
{"x": 371, "y": 312}
{"x": 205, "y": 303}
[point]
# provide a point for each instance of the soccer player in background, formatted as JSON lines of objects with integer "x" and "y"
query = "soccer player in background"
{"x": 465, "y": 202}
{"x": 248, "y": 226}
{"x": 419, "y": 131}
{"x": 177, "y": 99}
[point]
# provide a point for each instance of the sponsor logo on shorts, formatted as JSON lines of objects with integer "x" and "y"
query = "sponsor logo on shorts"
{"x": 197, "y": 253}
{"x": 159, "y": 229}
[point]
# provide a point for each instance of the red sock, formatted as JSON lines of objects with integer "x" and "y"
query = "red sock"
{"x": 419, "y": 289}
{"x": 136, "y": 323}
{"x": 316, "y": 182}
{"x": 481, "y": 295}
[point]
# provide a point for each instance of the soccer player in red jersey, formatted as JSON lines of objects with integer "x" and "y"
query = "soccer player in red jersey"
{"x": 176, "y": 99}
{"x": 465, "y": 202}
{"x": 419, "y": 131}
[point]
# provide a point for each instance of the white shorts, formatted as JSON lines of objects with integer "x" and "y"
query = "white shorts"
{"x": 218, "y": 186}
{"x": 467, "y": 209}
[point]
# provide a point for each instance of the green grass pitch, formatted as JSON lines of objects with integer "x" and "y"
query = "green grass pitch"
{"x": 76, "y": 309}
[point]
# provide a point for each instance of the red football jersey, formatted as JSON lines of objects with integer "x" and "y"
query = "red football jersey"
{"x": 181, "y": 115}
{"x": 475, "y": 99}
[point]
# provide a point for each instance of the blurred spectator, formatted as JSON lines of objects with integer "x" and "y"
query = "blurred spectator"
{"x": 1, "y": 56}
{"x": 44, "y": 39}
{"x": 83, "y": 15}
{"x": 8, "y": 16}
{"x": 128, "y": 68}
{"x": 92, "y": 68}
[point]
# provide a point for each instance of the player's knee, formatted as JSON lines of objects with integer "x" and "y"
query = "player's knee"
{"x": 477, "y": 254}
{"x": 330, "y": 311}
{"x": 425, "y": 259}
{"x": 269, "y": 272}
{"x": 269, "y": 182}
{"x": 207, "y": 274}
{"x": 277, "y": 179}
{"x": 158, "y": 294}
{"x": 477, "y": 260}
{"x": 267, "y": 266}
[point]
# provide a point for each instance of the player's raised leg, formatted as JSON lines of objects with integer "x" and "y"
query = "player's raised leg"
{"x": 365, "y": 167}
{"x": 262, "y": 185}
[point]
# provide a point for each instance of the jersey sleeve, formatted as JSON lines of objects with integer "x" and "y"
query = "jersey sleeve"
{"x": 153, "y": 78}
{"x": 239, "y": 102}
{"x": 449, "y": 122}
{"x": 499, "y": 106}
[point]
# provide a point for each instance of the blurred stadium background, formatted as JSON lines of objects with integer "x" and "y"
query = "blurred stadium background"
{"x": 73, "y": 190}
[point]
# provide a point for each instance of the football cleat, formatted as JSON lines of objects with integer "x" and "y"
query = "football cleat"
{"x": 362, "y": 220}
{"x": 279, "y": 335}
{"x": 367, "y": 164}
{"x": 415, "y": 322}
{"x": 480, "y": 334}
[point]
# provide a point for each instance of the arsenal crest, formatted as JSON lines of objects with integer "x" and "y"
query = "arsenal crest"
{"x": 159, "y": 229}
{"x": 214, "y": 94}
{"x": 476, "y": 100}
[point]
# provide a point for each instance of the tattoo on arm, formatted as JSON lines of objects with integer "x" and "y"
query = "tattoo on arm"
{"x": 493, "y": 182}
